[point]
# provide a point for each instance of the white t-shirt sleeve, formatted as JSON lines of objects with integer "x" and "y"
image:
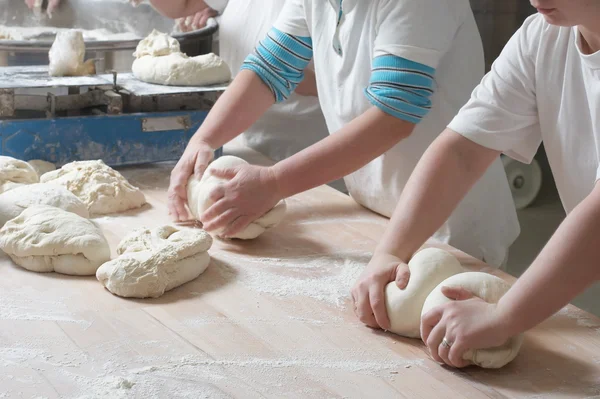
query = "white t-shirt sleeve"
{"x": 292, "y": 19}
{"x": 217, "y": 5}
{"x": 420, "y": 30}
{"x": 502, "y": 112}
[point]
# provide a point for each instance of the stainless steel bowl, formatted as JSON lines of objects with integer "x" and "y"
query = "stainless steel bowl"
{"x": 117, "y": 16}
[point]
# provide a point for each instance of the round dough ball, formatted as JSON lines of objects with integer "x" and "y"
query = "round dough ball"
{"x": 13, "y": 202}
{"x": 15, "y": 173}
{"x": 41, "y": 167}
{"x": 428, "y": 268}
{"x": 490, "y": 289}
{"x": 101, "y": 188}
{"x": 46, "y": 239}
{"x": 199, "y": 199}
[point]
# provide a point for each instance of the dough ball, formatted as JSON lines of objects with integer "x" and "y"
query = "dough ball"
{"x": 428, "y": 268}
{"x": 152, "y": 262}
{"x": 156, "y": 44}
{"x": 490, "y": 289}
{"x": 199, "y": 199}
{"x": 46, "y": 239}
{"x": 13, "y": 202}
{"x": 15, "y": 173}
{"x": 66, "y": 55}
{"x": 101, "y": 188}
{"x": 41, "y": 167}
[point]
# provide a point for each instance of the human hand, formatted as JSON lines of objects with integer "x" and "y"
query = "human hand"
{"x": 52, "y": 4}
{"x": 466, "y": 323}
{"x": 250, "y": 192}
{"x": 368, "y": 292}
{"x": 195, "y": 159}
{"x": 196, "y": 21}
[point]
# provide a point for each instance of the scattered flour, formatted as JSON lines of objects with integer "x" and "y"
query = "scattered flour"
{"x": 582, "y": 319}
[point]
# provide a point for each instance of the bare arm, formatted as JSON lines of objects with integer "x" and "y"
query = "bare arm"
{"x": 178, "y": 8}
{"x": 308, "y": 86}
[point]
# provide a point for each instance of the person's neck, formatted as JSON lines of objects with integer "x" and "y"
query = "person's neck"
{"x": 591, "y": 40}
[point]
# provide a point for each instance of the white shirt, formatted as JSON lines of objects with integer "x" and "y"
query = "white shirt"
{"x": 441, "y": 34}
{"x": 542, "y": 88}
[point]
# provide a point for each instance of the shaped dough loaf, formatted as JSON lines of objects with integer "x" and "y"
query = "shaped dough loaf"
{"x": 428, "y": 268}
{"x": 152, "y": 262}
{"x": 101, "y": 188}
{"x": 490, "y": 289}
{"x": 15, "y": 173}
{"x": 199, "y": 199}
{"x": 45, "y": 239}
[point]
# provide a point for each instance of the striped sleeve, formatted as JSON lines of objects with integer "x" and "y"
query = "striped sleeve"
{"x": 400, "y": 87}
{"x": 279, "y": 60}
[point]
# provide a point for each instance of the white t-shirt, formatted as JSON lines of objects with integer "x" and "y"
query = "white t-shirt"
{"x": 441, "y": 34}
{"x": 542, "y": 88}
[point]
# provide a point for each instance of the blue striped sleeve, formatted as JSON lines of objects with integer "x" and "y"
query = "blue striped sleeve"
{"x": 400, "y": 87}
{"x": 279, "y": 60}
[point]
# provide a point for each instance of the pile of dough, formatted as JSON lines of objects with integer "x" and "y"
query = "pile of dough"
{"x": 490, "y": 289}
{"x": 45, "y": 239}
{"x": 159, "y": 60}
{"x": 15, "y": 201}
{"x": 15, "y": 173}
{"x": 101, "y": 188}
{"x": 199, "y": 190}
{"x": 41, "y": 167}
{"x": 66, "y": 55}
{"x": 428, "y": 268}
{"x": 152, "y": 262}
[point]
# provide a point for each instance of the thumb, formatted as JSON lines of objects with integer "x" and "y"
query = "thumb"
{"x": 226, "y": 173}
{"x": 402, "y": 275}
{"x": 457, "y": 293}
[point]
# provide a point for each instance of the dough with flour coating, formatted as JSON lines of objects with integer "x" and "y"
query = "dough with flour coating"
{"x": 101, "y": 188}
{"x": 152, "y": 262}
{"x": 41, "y": 167}
{"x": 490, "y": 289}
{"x": 199, "y": 190}
{"x": 428, "y": 268}
{"x": 46, "y": 239}
{"x": 15, "y": 173}
{"x": 66, "y": 55}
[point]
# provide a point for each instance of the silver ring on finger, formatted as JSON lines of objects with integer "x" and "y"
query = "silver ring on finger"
{"x": 446, "y": 343}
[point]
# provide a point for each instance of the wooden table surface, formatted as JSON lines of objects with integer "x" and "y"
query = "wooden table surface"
{"x": 268, "y": 319}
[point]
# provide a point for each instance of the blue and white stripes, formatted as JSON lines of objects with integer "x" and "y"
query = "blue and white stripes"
{"x": 400, "y": 87}
{"x": 279, "y": 60}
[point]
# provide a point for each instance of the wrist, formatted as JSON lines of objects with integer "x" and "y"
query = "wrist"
{"x": 275, "y": 177}
{"x": 507, "y": 318}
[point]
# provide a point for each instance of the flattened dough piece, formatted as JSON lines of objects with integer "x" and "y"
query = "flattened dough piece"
{"x": 199, "y": 199}
{"x": 15, "y": 201}
{"x": 428, "y": 268}
{"x": 490, "y": 289}
{"x": 46, "y": 239}
{"x": 15, "y": 173}
{"x": 101, "y": 188}
{"x": 41, "y": 167}
{"x": 152, "y": 262}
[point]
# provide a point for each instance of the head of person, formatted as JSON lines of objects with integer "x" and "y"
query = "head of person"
{"x": 570, "y": 12}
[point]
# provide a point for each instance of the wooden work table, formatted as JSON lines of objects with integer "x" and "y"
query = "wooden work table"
{"x": 248, "y": 328}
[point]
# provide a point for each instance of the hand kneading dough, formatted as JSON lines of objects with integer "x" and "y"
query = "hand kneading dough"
{"x": 199, "y": 199}
{"x": 15, "y": 173}
{"x": 66, "y": 55}
{"x": 41, "y": 167}
{"x": 45, "y": 239}
{"x": 15, "y": 201}
{"x": 101, "y": 188}
{"x": 428, "y": 268}
{"x": 152, "y": 262}
{"x": 160, "y": 61}
{"x": 490, "y": 289}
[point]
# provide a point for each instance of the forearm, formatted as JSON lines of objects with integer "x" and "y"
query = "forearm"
{"x": 443, "y": 176}
{"x": 178, "y": 8}
{"x": 244, "y": 101}
{"x": 568, "y": 264}
{"x": 356, "y": 144}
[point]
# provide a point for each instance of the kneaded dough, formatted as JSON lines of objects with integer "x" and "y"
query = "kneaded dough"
{"x": 428, "y": 268}
{"x": 152, "y": 262}
{"x": 15, "y": 173}
{"x": 41, "y": 167}
{"x": 46, "y": 239}
{"x": 199, "y": 190}
{"x": 490, "y": 289}
{"x": 160, "y": 61}
{"x": 67, "y": 53}
{"x": 15, "y": 201}
{"x": 101, "y": 188}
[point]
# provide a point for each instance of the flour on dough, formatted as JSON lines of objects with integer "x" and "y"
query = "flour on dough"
{"x": 15, "y": 173}
{"x": 46, "y": 239}
{"x": 199, "y": 199}
{"x": 41, "y": 167}
{"x": 490, "y": 289}
{"x": 66, "y": 55}
{"x": 160, "y": 61}
{"x": 428, "y": 268}
{"x": 154, "y": 261}
{"x": 101, "y": 188}
{"x": 15, "y": 201}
